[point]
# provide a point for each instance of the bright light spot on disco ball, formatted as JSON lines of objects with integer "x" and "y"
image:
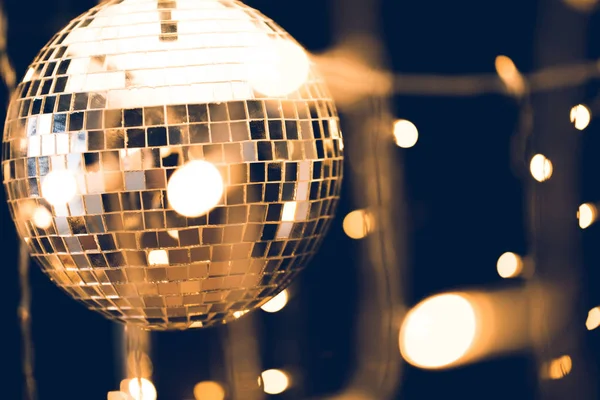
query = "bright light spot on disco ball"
{"x": 239, "y": 314}
{"x": 165, "y": 152}
{"x": 209, "y": 390}
{"x": 580, "y": 116}
{"x": 147, "y": 391}
{"x": 406, "y": 133}
{"x": 559, "y": 367}
{"x": 59, "y": 187}
{"x": 42, "y": 218}
{"x": 541, "y": 168}
{"x": 358, "y": 224}
{"x": 274, "y": 381}
{"x": 173, "y": 234}
{"x": 276, "y": 303}
{"x": 281, "y": 67}
{"x": 509, "y": 265}
{"x": 587, "y": 215}
{"x": 593, "y": 319}
{"x": 195, "y": 188}
{"x": 158, "y": 257}
{"x": 438, "y": 332}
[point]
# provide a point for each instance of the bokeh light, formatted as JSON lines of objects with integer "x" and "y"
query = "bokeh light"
{"x": 582, "y": 5}
{"x": 118, "y": 396}
{"x": 593, "y": 319}
{"x": 541, "y": 168}
{"x": 277, "y": 303}
{"x": 146, "y": 392}
{"x": 580, "y": 116}
{"x": 195, "y": 188}
{"x": 587, "y": 215}
{"x": 59, "y": 187}
{"x": 274, "y": 381}
{"x": 209, "y": 390}
{"x": 439, "y": 331}
{"x": 42, "y": 217}
{"x": 559, "y": 367}
{"x": 406, "y": 133}
{"x": 358, "y": 224}
{"x": 510, "y": 75}
{"x": 509, "y": 265}
{"x": 281, "y": 67}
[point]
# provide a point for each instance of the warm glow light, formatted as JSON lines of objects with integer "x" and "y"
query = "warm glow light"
{"x": 580, "y": 116}
{"x": 158, "y": 257}
{"x": 406, "y": 133}
{"x": 195, "y": 188}
{"x": 274, "y": 381}
{"x": 42, "y": 217}
{"x": 582, "y": 5}
{"x": 593, "y": 319}
{"x": 147, "y": 392}
{"x": 59, "y": 187}
{"x": 280, "y": 68}
{"x": 239, "y": 314}
{"x": 209, "y": 390}
{"x": 118, "y": 396}
{"x": 587, "y": 215}
{"x": 541, "y": 168}
{"x": 510, "y": 75}
{"x": 174, "y": 234}
{"x": 560, "y": 367}
{"x": 439, "y": 331}
{"x": 276, "y": 303}
{"x": 358, "y": 224}
{"x": 509, "y": 265}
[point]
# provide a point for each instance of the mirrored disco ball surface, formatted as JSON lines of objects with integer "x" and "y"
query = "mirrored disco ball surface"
{"x": 172, "y": 163}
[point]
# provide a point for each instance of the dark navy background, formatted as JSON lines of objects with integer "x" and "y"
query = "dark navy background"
{"x": 466, "y": 208}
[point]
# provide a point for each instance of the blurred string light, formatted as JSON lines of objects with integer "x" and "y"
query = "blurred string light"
{"x": 587, "y": 215}
{"x": 140, "y": 389}
{"x": 593, "y": 319}
{"x": 277, "y": 303}
{"x": 558, "y": 368}
{"x": 195, "y": 188}
{"x": 509, "y": 265}
{"x": 510, "y": 75}
{"x": 42, "y": 217}
{"x": 358, "y": 224}
{"x": 438, "y": 332}
{"x": 209, "y": 390}
{"x": 274, "y": 381}
{"x": 580, "y": 116}
{"x": 541, "y": 168}
{"x": 406, "y": 133}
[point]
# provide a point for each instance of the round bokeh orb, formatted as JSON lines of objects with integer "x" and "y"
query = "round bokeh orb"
{"x": 171, "y": 163}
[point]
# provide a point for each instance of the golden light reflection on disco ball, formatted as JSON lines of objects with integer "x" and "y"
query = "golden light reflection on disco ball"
{"x": 183, "y": 159}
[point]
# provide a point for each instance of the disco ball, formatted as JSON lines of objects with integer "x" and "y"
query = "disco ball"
{"x": 173, "y": 163}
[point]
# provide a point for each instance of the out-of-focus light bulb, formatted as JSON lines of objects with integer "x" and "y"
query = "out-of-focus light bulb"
{"x": 439, "y": 331}
{"x": 541, "y": 168}
{"x": 209, "y": 390}
{"x": 587, "y": 215}
{"x": 509, "y": 265}
{"x": 59, "y": 187}
{"x": 593, "y": 319}
{"x": 406, "y": 133}
{"x": 274, "y": 381}
{"x": 358, "y": 224}
{"x": 147, "y": 391}
{"x": 118, "y": 396}
{"x": 42, "y": 217}
{"x": 559, "y": 367}
{"x": 279, "y": 68}
{"x": 510, "y": 75}
{"x": 195, "y": 188}
{"x": 276, "y": 303}
{"x": 580, "y": 116}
